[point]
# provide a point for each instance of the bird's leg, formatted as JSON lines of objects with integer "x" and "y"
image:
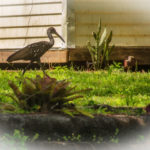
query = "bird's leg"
{"x": 25, "y": 69}
{"x": 39, "y": 63}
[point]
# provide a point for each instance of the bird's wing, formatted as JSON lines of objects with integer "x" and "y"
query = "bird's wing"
{"x": 26, "y": 53}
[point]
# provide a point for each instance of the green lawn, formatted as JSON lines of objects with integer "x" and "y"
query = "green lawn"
{"x": 112, "y": 87}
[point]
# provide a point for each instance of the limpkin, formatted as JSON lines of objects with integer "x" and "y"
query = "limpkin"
{"x": 34, "y": 51}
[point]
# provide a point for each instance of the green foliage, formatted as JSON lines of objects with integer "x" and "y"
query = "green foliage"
{"x": 101, "y": 50}
{"x": 73, "y": 138}
{"x": 114, "y": 138}
{"x": 46, "y": 94}
{"x": 5, "y": 106}
{"x": 17, "y": 141}
{"x": 115, "y": 67}
{"x": 111, "y": 89}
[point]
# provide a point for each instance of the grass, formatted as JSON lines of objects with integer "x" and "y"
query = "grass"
{"x": 115, "y": 88}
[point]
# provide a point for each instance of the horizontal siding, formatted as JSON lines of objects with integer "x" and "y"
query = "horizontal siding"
{"x": 23, "y": 32}
{"x": 113, "y": 18}
{"x": 34, "y": 20}
{"x": 128, "y": 19}
{"x": 19, "y": 43}
{"x": 137, "y": 30}
{"x": 26, "y": 10}
{"x": 128, "y": 6}
{"x": 23, "y": 22}
{"x": 81, "y": 41}
{"x": 23, "y": 2}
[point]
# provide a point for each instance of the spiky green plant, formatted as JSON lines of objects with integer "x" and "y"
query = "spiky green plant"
{"x": 46, "y": 94}
{"x": 101, "y": 50}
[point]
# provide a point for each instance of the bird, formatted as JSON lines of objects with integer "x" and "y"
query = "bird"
{"x": 129, "y": 63}
{"x": 34, "y": 51}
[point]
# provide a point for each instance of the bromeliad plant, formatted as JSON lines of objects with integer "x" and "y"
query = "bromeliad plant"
{"x": 46, "y": 94}
{"x": 101, "y": 50}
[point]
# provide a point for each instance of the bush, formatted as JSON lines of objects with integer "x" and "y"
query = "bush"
{"x": 101, "y": 50}
{"x": 46, "y": 94}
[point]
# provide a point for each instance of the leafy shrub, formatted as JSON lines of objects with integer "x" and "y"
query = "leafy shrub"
{"x": 17, "y": 141}
{"x": 46, "y": 94}
{"x": 101, "y": 50}
{"x": 115, "y": 67}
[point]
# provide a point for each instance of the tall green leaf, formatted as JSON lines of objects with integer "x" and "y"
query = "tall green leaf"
{"x": 101, "y": 50}
{"x": 103, "y": 37}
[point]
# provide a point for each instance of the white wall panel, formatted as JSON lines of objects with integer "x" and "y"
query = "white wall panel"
{"x": 30, "y": 9}
{"x": 23, "y": 2}
{"x": 23, "y": 22}
{"x": 33, "y": 20}
{"x": 128, "y": 19}
{"x": 19, "y": 43}
{"x": 26, "y": 32}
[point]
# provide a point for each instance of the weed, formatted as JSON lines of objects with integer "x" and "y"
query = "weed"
{"x": 17, "y": 141}
{"x": 115, "y": 67}
{"x": 72, "y": 138}
{"x": 111, "y": 89}
{"x": 101, "y": 50}
{"x": 46, "y": 94}
{"x": 114, "y": 138}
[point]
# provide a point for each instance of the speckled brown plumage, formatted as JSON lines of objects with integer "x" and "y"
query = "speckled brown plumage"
{"x": 34, "y": 51}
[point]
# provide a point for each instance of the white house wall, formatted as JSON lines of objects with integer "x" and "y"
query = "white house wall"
{"x": 128, "y": 19}
{"x": 25, "y": 21}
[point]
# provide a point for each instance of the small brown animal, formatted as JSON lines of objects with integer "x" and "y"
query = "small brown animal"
{"x": 129, "y": 63}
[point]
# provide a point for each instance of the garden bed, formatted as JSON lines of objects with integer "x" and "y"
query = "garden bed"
{"x": 116, "y": 100}
{"x": 57, "y": 126}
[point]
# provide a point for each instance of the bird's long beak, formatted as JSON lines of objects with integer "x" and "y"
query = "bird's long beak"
{"x": 59, "y": 37}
